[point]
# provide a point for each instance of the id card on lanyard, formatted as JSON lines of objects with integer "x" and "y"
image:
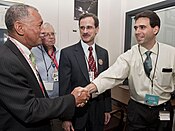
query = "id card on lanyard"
{"x": 48, "y": 85}
{"x": 55, "y": 75}
{"x": 91, "y": 76}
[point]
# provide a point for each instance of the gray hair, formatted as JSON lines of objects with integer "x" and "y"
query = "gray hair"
{"x": 16, "y": 12}
{"x": 46, "y": 25}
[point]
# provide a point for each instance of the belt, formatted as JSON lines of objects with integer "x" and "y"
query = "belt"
{"x": 157, "y": 106}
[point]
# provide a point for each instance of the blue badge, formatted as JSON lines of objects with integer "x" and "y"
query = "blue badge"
{"x": 53, "y": 65}
{"x": 151, "y": 100}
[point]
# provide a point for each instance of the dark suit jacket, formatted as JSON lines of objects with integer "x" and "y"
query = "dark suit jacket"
{"x": 22, "y": 104}
{"x": 73, "y": 72}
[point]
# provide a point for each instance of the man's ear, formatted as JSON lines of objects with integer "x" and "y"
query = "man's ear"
{"x": 19, "y": 28}
{"x": 156, "y": 30}
{"x": 97, "y": 30}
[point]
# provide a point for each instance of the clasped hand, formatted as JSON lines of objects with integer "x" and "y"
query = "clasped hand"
{"x": 81, "y": 95}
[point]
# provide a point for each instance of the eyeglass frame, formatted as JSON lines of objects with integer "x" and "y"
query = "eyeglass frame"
{"x": 46, "y": 34}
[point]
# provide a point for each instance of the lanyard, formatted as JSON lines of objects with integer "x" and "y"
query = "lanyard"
{"x": 154, "y": 65}
{"x": 47, "y": 69}
{"x": 53, "y": 58}
{"x": 30, "y": 63}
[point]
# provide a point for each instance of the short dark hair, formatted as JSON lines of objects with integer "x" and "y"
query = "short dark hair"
{"x": 153, "y": 17}
{"x": 16, "y": 12}
{"x": 96, "y": 21}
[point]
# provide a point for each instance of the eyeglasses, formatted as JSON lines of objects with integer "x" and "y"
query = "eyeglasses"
{"x": 46, "y": 34}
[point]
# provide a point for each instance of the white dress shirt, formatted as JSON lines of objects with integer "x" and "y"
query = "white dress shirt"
{"x": 130, "y": 64}
{"x": 86, "y": 52}
{"x": 25, "y": 52}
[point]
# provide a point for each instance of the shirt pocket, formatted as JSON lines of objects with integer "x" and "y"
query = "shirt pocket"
{"x": 165, "y": 77}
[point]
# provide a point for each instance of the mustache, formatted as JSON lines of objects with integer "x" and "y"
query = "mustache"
{"x": 86, "y": 34}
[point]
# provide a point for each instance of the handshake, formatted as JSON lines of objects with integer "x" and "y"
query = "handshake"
{"x": 82, "y": 95}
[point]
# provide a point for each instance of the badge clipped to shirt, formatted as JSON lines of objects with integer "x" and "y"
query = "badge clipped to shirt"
{"x": 164, "y": 115}
{"x": 91, "y": 75}
{"x": 48, "y": 85}
{"x": 55, "y": 76}
{"x": 151, "y": 100}
{"x": 53, "y": 65}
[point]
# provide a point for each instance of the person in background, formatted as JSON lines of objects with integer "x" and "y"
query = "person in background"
{"x": 24, "y": 102}
{"x": 47, "y": 58}
{"x": 79, "y": 65}
{"x": 150, "y": 68}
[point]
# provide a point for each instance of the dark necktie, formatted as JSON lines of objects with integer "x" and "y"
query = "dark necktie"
{"x": 91, "y": 62}
{"x": 148, "y": 64}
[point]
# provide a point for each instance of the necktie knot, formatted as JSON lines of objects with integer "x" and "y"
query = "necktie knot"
{"x": 90, "y": 49}
{"x": 148, "y": 53}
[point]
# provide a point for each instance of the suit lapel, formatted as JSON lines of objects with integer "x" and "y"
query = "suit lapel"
{"x": 99, "y": 57}
{"x": 16, "y": 51}
{"x": 80, "y": 56}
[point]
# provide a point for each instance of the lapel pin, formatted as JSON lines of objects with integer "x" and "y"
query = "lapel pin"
{"x": 100, "y": 61}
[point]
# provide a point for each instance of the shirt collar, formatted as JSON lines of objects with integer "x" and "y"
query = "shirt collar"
{"x": 85, "y": 46}
{"x": 24, "y": 48}
{"x": 45, "y": 48}
{"x": 154, "y": 49}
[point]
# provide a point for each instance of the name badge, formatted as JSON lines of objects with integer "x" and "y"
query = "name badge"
{"x": 55, "y": 76}
{"x": 94, "y": 95}
{"x": 151, "y": 100}
{"x": 164, "y": 115}
{"x": 91, "y": 75}
{"x": 48, "y": 85}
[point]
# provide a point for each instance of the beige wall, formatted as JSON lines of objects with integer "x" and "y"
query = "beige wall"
{"x": 112, "y": 21}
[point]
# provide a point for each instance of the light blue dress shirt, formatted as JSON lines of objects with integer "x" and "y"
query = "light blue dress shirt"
{"x": 46, "y": 68}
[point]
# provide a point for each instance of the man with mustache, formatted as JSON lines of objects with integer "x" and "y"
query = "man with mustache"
{"x": 78, "y": 69}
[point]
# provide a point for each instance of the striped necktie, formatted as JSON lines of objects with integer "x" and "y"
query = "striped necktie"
{"x": 91, "y": 62}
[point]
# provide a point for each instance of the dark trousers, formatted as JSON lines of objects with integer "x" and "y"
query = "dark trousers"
{"x": 56, "y": 125}
{"x": 94, "y": 128}
{"x": 90, "y": 126}
{"x": 94, "y": 120}
{"x": 145, "y": 118}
